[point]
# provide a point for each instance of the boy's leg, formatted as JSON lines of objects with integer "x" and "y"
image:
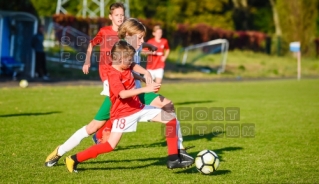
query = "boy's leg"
{"x": 168, "y": 106}
{"x": 156, "y": 100}
{"x": 174, "y": 160}
{"x": 93, "y": 151}
{"x": 99, "y": 120}
{"x": 104, "y": 132}
{"x": 160, "y": 102}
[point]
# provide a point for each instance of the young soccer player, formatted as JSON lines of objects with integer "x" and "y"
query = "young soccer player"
{"x": 128, "y": 30}
{"x": 127, "y": 110}
{"x": 156, "y": 61}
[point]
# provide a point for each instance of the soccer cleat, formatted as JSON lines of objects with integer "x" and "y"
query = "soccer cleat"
{"x": 95, "y": 140}
{"x": 178, "y": 163}
{"x": 184, "y": 156}
{"x": 53, "y": 158}
{"x": 70, "y": 164}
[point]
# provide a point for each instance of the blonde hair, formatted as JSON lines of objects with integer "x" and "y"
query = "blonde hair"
{"x": 122, "y": 49}
{"x": 131, "y": 26}
{"x": 115, "y": 6}
{"x": 157, "y": 27}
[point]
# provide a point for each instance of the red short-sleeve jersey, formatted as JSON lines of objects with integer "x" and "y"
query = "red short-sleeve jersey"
{"x": 154, "y": 61}
{"x": 118, "y": 82}
{"x": 105, "y": 38}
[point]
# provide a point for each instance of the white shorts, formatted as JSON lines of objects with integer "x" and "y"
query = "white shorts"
{"x": 129, "y": 123}
{"x": 157, "y": 73}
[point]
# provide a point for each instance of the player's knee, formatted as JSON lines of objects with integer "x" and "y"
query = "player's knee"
{"x": 169, "y": 106}
{"x": 167, "y": 116}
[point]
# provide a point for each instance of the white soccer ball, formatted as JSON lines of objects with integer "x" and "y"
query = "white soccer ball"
{"x": 206, "y": 161}
{"x": 23, "y": 83}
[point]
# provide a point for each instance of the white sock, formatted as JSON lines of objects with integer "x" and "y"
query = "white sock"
{"x": 179, "y": 133}
{"x": 73, "y": 141}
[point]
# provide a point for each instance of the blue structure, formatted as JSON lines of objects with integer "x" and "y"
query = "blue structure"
{"x": 16, "y": 53}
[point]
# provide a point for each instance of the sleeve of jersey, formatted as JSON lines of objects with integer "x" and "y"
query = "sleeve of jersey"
{"x": 116, "y": 85}
{"x": 98, "y": 38}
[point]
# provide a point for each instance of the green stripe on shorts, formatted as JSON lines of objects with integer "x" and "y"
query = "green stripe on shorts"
{"x": 147, "y": 98}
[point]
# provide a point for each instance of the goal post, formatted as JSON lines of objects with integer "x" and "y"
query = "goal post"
{"x": 211, "y": 47}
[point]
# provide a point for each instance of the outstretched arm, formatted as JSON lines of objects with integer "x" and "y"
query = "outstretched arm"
{"x": 133, "y": 92}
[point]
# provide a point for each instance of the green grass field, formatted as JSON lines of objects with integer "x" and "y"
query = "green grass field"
{"x": 244, "y": 64}
{"x": 284, "y": 148}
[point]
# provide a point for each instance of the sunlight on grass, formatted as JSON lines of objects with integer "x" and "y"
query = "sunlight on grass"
{"x": 284, "y": 148}
{"x": 244, "y": 64}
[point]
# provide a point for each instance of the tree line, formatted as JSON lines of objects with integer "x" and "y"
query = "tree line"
{"x": 283, "y": 20}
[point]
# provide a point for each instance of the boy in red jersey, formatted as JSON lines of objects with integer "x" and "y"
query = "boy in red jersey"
{"x": 105, "y": 38}
{"x": 156, "y": 62}
{"x": 131, "y": 29}
{"x": 127, "y": 110}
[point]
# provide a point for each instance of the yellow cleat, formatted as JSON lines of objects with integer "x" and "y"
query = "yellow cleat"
{"x": 70, "y": 164}
{"x": 53, "y": 158}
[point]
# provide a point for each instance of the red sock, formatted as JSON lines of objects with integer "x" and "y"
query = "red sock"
{"x": 171, "y": 137}
{"x": 107, "y": 126}
{"x": 94, "y": 151}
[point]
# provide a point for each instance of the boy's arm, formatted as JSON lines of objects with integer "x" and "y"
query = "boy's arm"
{"x": 166, "y": 52}
{"x": 87, "y": 63}
{"x": 133, "y": 92}
{"x": 138, "y": 77}
{"x": 118, "y": 89}
{"x": 137, "y": 68}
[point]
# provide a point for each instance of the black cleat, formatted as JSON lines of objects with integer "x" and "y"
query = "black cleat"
{"x": 184, "y": 155}
{"x": 178, "y": 164}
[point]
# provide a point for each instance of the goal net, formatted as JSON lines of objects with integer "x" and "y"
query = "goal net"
{"x": 197, "y": 52}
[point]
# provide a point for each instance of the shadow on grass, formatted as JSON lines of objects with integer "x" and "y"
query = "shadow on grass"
{"x": 193, "y": 102}
{"x": 193, "y": 170}
{"x": 186, "y": 138}
{"x": 156, "y": 161}
{"x": 29, "y": 114}
{"x": 161, "y": 161}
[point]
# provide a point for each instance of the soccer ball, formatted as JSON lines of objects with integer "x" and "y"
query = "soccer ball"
{"x": 206, "y": 161}
{"x": 23, "y": 83}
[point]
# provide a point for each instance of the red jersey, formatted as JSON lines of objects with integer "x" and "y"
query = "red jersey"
{"x": 106, "y": 38}
{"x": 154, "y": 61}
{"x": 120, "y": 81}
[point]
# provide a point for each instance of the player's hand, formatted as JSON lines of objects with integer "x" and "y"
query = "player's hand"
{"x": 86, "y": 68}
{"x": 154, "y": 87}
{"x": 148, "y": 78}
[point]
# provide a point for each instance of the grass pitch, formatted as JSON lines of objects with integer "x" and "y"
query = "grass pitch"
{"x": 282, "y": 149}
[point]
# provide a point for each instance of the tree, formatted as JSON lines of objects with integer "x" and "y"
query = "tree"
{"x": 299, "y": 22}
{"x": 241, "y": 14}
{"x": 278, "y": 31}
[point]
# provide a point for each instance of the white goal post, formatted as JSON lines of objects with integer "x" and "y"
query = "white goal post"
{"x": 221, "y": 45}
